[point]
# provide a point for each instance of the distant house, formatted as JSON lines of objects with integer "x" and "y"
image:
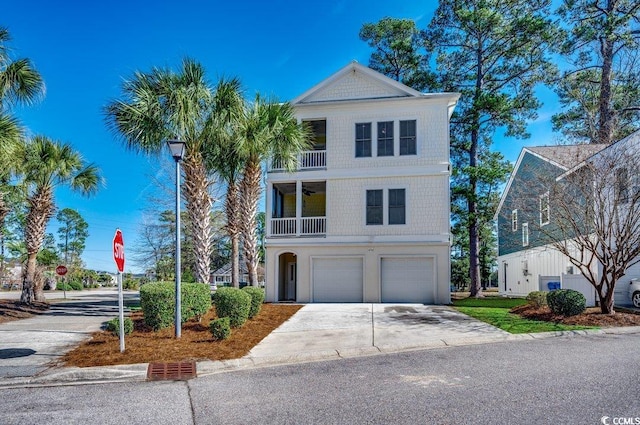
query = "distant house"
{"x": 365, "y": 218}
{"x": 222, "y": 276}
{"x": 526, "y": 259}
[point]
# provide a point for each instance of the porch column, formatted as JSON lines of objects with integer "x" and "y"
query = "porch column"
{"x": 268, "y": 211}
{"x": 298, "y": 205}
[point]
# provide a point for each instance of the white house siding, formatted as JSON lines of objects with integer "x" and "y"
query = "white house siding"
{"x": 542, "y": 261}
{"x": 371, "y": 254}
{"x": 346, "y": 206}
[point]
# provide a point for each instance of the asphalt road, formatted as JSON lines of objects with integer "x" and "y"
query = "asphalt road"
{"x": 566, "y": 380}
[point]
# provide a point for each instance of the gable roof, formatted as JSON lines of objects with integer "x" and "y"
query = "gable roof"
{"x": 564, "y": 157}
{"x": 358, "y": 82}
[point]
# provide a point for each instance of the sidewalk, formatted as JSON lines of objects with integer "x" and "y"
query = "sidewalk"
{"x": 30, "y": 347}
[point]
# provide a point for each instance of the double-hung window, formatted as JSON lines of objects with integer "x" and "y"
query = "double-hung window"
{"x": 544, "y": 209}
{"x": 514, "y": 220}
{"x": 385, "y": 138}
{"x": 374, "y": 207}
{"x": 622, "y": 185}
{"x": 363, "y": 140}
{"x": 397, "y": 207}
{"x": 525, "y": 234}
{"x": 408, "y": 137}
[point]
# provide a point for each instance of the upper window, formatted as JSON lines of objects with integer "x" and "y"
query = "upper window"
{"x": 622, "y": 185}
{"x": 408, "y": 137}
{"x": 544, "y": 209}
{"x": 525, "y": 234}
{"x": 514, "y": 220}
{"x": 374, "y": 207}
{"x": 363, "y": 140}
{"x": 397, "y": 208}
{"x": 385, "y": 138}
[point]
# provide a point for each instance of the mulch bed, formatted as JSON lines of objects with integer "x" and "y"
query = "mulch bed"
{"x": 12, "y": 310}
{"x": 196, "y": 343}
{"x": 591, "y": 317}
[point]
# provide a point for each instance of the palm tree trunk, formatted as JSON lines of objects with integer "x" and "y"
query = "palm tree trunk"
{"x": 250, "y": 190}
{"x": 196, "y": 185}
{"x": 232, "y": 210}
{"x": 40, "y": 211}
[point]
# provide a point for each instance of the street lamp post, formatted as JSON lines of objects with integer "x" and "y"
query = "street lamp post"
{"x": 177, "y": 148}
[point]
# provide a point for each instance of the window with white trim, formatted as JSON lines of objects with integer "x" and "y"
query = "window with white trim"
{"x": 397, "y": 206}
{"x": 525, "y": 234}
{"x": 385, "y": 138}
{"x": 363, "y": 140}
{"x": 408, "y": 137}
{"x": 374, "y": 207}
{"x": 544, "y": 209}
{"x": 514, "y": 220}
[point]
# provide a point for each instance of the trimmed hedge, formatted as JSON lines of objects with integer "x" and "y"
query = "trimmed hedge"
{"x": 113, "y": 325}
{"x": 257, "y": 298}
{"x": 234, "y": 304}
{"x": 220, "y": 328}
{"x": 566, "y": 302}
{"x": 537, "y": 298}
{"x": 158, "y": 302}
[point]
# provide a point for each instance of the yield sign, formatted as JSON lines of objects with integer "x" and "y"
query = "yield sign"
{"x": 118, "y": 250}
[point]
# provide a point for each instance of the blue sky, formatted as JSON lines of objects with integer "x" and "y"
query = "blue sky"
{"x": 85, "y": 49}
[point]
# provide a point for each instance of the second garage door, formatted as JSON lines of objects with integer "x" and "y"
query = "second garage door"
{"x": 337, "y": 280}
{"x": 407, "y": 280}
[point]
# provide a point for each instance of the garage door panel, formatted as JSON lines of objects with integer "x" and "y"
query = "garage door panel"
{"x": 337, "y": 280}
{"x": 407, "y": 280}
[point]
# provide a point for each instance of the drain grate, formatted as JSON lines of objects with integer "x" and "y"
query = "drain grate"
{"x": 171, "y": 371}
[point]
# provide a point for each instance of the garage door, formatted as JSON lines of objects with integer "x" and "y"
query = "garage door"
{"x": 337, "y": 280}
{"x": 407, "y": 280}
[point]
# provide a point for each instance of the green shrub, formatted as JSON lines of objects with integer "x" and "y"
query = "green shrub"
{"x": 234, "y": 304}
{"x": 257, "y": 298}
{"x": 76, "y": 285}
{"x": 63, "y": 286}
{"x": 566, "y": 302}
{"x": 220, "y": 328}
{"x": 537, "y": 298}
{"x": 113, "y": 325}
{"x": 196, "y": 300}
{"x": 130, "y": 283}
{"x": 158, "y": 302}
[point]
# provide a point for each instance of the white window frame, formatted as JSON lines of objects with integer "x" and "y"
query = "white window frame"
{"x": 545, "y": 209}
{"x": 525, "y": 234}
{"x": 514, "y": 220}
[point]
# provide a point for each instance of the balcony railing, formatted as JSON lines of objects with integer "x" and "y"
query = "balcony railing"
{"x": 293, "y": 226}
{"x": 307, "y": 160}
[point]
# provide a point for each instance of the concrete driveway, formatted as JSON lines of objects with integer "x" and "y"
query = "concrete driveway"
{"x": 345, "y": 330}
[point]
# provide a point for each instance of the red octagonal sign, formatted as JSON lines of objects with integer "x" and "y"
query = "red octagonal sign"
{"x": 61, "y": 270}
{"x": 118, "y": 250}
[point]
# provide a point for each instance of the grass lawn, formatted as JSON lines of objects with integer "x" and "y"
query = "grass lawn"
{"x": 495, "y": 311}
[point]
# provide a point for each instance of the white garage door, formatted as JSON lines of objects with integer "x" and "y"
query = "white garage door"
{"x": 407, "y": 280}
{"x": 337, "y": 280}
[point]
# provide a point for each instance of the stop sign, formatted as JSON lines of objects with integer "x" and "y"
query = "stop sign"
{"x": 61, "y": 270}
{"x": 118, "y": 250}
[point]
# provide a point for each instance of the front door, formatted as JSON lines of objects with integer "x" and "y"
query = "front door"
{"x": 291, "y": 281}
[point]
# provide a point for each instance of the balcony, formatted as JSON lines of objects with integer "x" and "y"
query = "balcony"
{"x": 307, "y": 160}
{"x": 304, "y": 226}
{"x": 298, "y": 209}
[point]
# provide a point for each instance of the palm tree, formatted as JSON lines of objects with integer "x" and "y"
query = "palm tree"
{"x": 19, "y": 80}
{"x": 267, "y": 130}
{"x": 160, "y": 105}
{"x": 20, "y": 83}
{"x": 47, "y": 165}
{"x": 224, "y": 159}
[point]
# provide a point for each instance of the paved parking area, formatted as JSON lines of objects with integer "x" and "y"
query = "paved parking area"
{"x": 354, "y": 329}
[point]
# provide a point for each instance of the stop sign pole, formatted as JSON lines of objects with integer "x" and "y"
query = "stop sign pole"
{"x": 118, "y": 257}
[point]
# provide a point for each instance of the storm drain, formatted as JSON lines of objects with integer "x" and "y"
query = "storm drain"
{"x": 171, "y": 371}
